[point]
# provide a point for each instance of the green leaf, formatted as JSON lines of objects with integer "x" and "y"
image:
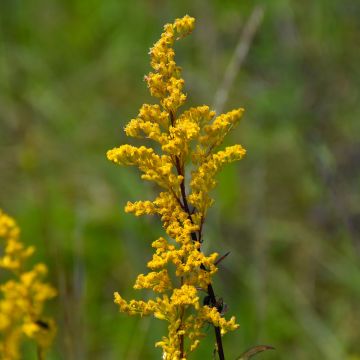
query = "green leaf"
{"x": 254, "y": 351}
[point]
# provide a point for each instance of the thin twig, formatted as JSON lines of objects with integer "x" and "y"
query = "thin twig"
{"x": 210, "y": 289}
{"x": 240, "y": 53}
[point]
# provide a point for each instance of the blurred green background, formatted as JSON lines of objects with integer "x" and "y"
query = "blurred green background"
{"x": 71, "y": 76}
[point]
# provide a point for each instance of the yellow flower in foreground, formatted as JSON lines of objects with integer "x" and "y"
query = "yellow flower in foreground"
{"x": 22, "y": 296}
{"x": 179, "y": 268}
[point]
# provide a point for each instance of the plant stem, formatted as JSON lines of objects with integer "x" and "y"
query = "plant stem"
{"x": 220, "y": 349}
{"x": 210, "y": 289}
{"x": 40, "y": 353}
{"x": 182, "y": 335}
{"x": 180, "y": 327}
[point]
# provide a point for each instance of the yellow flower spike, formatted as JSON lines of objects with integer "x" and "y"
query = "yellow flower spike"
{"x": 140, "y": 208}
{"x": 158, "y": 281}
{"x": 203, "y": 178}
{"x": 218, "y": 129}
{"x": 22, "y": 297}
{"x": 178, "y": 267}
{"x": 146, "y": 129}
{"x": 155, "y": 168}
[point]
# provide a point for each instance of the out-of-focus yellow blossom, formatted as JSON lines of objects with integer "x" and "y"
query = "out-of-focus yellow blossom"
{"x": 22, "y": 296}
{"x": 179, "y": 268}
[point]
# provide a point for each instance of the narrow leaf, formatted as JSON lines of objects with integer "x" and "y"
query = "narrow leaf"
{"x": 222, "y": 258}
{"x": 254, "y": 351}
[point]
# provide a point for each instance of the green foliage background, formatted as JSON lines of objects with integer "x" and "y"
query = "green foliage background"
{"x": 71, "y": 76}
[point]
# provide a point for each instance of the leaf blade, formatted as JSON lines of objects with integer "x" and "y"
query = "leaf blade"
{"x": 254, "y": 351}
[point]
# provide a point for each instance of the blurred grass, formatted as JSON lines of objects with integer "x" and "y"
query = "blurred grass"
{"x": 71, "y": 77}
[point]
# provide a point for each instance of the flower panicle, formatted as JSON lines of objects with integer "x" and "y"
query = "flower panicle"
{"x": 178, "y": 267}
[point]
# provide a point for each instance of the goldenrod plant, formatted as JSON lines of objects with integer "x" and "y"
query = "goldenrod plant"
{"x": 183, "y": 163}
{"x": 23, "y": 296}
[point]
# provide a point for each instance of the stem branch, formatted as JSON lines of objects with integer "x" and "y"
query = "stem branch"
{"x": 210, "y": 289}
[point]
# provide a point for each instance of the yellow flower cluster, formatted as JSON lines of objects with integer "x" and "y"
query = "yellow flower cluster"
{"x": 23, "y": 296}
{"x": 179, "y": 268}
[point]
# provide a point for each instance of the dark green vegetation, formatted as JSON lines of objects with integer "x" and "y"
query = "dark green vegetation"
{"x": 71, "y": 77}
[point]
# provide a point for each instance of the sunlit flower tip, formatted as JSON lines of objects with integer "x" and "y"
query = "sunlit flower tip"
{"x": 185, "y": 25}
{"x": 118, "y": 299}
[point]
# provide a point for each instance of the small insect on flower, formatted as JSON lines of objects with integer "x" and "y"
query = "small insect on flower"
{"x": 219, "y": 304}
{"x": 43, "y": 324}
